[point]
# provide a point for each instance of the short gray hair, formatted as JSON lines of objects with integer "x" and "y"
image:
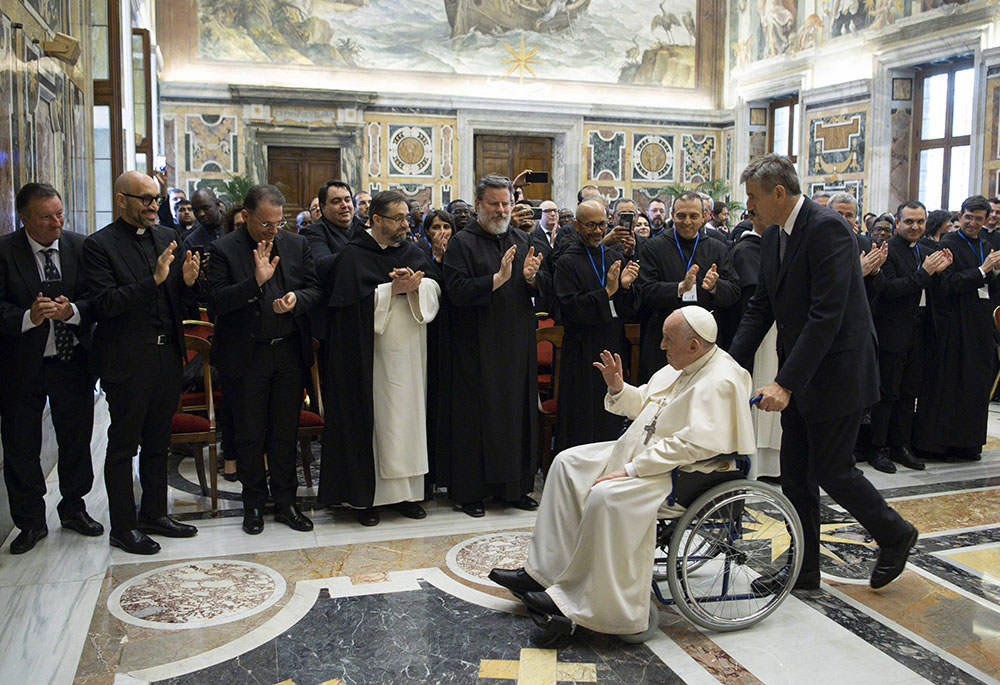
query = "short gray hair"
{"x": 771, "y": 171}
{"x": 492, "y": 181}
{"x": 842, "y": 197}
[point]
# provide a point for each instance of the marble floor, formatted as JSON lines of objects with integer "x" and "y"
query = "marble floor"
{"x": 409, "y": 602}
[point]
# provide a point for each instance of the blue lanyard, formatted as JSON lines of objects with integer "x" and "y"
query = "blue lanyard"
{"x": 602, "y": 275}
{"x": 207, "y": 234}
{"x": 969, "y": 243}
{"x": 917, "y": 247}
{"x": 676, "y": 240}
{"x": 653, "y": 235}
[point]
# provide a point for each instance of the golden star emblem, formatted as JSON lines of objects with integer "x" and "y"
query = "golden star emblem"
{"x": 764, "y": 527}
{"x": 521, "y": 60}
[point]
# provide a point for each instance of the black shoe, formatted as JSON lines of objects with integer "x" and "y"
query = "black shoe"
{"x": 881, "y": 462}
{"x": 83, "y": 524}
{"x": 541, "y": 602}
{"x": 965, "y": 456}
{"x": 526, "y": 503}
{"x": 292, "y": 517}
{"x": 253, "y": 521}
{"x": 231, "y": 477}
{"x": 410, "y": 510}
{"x": 904, "y": 457}
{"x": 773, "y": 584}
{"x": 516, "y": 580}
{"x": 133, "y": 541}
{"x": 474, "y": 509}
{"x": 892, "y": 560}
{"x": 368, "y": 517}
{"x": 167, "y": 527}
{"x": 27, "y": 539}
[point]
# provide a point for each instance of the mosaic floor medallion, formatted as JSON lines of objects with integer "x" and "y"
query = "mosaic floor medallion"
{"x": 473, "y": 559}
{"x": 196, "y": 594}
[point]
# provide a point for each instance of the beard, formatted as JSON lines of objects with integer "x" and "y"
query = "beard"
{"x": 496, "y": 226}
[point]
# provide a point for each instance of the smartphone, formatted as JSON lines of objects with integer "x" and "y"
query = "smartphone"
{"x": 160, "y": 163}
{"x": 537, "y": 177}
{"x": 625, "y": 219}
{"x": 536, "y": 213}
{"x": 51, "y": 289}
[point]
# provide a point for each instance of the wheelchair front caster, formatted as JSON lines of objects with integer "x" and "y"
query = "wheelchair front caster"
{"x": 654, "y": 625}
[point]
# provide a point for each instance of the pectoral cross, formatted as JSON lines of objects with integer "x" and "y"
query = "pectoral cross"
{"x": 650, "y": 428}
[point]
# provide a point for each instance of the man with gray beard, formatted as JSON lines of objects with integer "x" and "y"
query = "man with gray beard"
{"x": 490, "y": 275}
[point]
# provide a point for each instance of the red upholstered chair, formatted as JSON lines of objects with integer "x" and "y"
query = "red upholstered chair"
{"x": 632, "y": 334}
{"x": 544, "y": 352}
{"x": 549, "y": 337}
{"x": 310, "y": 422}
{"x": 195, "y": 401}
{"x": 188, "y": 428}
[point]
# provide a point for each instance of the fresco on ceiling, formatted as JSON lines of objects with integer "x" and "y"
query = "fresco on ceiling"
{"x": 653, "y": 43}
{"x": 759, "y": 29}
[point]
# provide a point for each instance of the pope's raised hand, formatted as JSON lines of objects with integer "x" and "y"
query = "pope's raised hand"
{"x": 610, "y": 366}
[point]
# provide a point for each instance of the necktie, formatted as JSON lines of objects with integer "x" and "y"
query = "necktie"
{"x": 782, "y": 242}
{"x": 63, "y": 334}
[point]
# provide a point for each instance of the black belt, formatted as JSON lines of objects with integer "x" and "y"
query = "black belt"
{"x": 276, "y": 341}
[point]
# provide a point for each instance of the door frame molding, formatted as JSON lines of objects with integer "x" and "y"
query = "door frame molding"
{"x": 348, "y": 141}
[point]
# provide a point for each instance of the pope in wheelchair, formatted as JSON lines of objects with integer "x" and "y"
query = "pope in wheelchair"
{"x": 592, "y": 550}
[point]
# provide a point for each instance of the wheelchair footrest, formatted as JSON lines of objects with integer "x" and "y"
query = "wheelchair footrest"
{"x": 557, "y": 625}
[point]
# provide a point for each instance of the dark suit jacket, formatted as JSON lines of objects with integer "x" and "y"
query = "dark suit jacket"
{"x": 325, "y": 243}
{"x": 895, "y": 308}
{"x": 233, "y": 296}
{"x": 826, "y": 339}
{"x": 20, "y": 283}
{"x": 122, "y": 293}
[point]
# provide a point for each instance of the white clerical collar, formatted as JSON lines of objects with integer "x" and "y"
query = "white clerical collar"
{"x": 38, "y": 247}
{"x": 696, "y": 366}
{"x": 790, "y": 221}
{"x": 369, "y": 232}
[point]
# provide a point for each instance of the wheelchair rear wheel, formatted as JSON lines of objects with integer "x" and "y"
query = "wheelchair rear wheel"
{"x": 732, "y": 535}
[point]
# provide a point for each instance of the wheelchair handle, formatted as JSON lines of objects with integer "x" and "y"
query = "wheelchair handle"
{"x": 755, "y": 400}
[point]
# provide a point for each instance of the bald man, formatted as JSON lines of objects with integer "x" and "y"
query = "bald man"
{"x": 139, "y": 282}
{"x": 591, "y": 554}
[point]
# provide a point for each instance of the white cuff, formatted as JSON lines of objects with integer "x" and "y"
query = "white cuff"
{"x": 630, "y": 470}
{"x": 75, "y": 319}
{"x": 26, "y": 324}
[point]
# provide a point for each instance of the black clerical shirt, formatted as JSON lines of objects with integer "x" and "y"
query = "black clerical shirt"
{"x": 272, "y": 324}
{"x": 143, "y": 251}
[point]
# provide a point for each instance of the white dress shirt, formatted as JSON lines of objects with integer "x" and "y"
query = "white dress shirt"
{"x": 37, "y": 249}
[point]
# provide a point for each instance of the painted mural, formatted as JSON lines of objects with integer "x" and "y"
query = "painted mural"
{"x": 652, "y": 43}
{"x": 759, "y": 29}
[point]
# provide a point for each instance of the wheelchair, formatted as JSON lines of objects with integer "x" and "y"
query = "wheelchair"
{"x": 729, "y": 559}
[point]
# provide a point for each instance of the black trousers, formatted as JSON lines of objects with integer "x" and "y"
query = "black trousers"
{"x": 266, "y": 404}
{"x": 141, "y": 410}
{"x": 901, "y": 374}
{"x": 69, "y": 388}
{"x": 820, "y": 455}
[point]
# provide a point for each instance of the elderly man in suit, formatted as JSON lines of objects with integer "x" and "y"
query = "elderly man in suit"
{"x": 811, "y": 285}
{"x": 140, "y": 288}
{"x": 261, "y": 287}
{"x": 44, "y": 331}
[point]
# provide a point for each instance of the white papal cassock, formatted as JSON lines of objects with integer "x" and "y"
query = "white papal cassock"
{"x": 399, "y": 389}
{"x": 592, "y": 547}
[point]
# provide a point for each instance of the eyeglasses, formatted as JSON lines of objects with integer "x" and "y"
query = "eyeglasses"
{"x": 399, "y": 219}
{"x": 546, "y": 211}
{"x": 270, "y": 224}
{"x": 147, "y": 200}
{"x": 593, "y": 225}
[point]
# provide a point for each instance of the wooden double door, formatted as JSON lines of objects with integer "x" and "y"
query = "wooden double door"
{"x": 510, "y": 155}
{"x": 301, "y": 171}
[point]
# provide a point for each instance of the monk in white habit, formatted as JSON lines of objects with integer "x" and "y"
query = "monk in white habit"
{"x": 375, "y": 381}
{"x": 591, "y": 556}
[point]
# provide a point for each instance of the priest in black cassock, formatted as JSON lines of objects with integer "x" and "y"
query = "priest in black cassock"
{"x": 681, "y": 266}
{"x": 375, "y": 375}
{"x": 594, "y": 287}
{"x": 954, "y": 398}
{"x": 490, "y": 274}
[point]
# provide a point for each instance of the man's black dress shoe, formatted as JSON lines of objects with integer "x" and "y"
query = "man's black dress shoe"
{"x": 773, "y": 584}
{"x": 292, "y": 517}
{"x": 167, "y": 527}
{"x": 892, "y": 560}
{"x": 410, "y": 510}
{"x": 253, "y": 521}
{"x": 904, "y": 457}
{"x": 368, "y": 517}
{"x": 474, "y": 509}
{"x": 133, "y": 541}
{"x": 541, "y": 603}
{"x": 27, "y": 539}
{"x": 516, "y": 580}
{"x": 880, "y": 461}
{"x": 83, "y": 524}
{"x": 231, "y": 477}
{"x": 527, "y": 503}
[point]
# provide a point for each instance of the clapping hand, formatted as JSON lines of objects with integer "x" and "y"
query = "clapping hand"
{"x": 405, "y": 280}
{"x": 991, "y": 261}
{"x": 163, "y": 263}
{"x": 711, "y": 278}
{"x": 531, "y": 264}
{"x": 503, "y": 275}
{"x": 629, "y": 274}
{"x": 689, "y": 279}
{"x": 873, "y": 261}
{"x": 611, "y": 283}
{"x": 284, "y": 304}
{"x": 264, "y": 266}
{"x": 610, "y": 367}
{"x": 937, "y": 261}
{"x": 191, "y": 268}
{"x": 42, "y": 308}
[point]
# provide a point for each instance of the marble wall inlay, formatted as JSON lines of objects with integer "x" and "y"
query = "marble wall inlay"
{"x": 652, "y": 157}
{"x": 699, "y": 155}
{"x": 606, "y": 152}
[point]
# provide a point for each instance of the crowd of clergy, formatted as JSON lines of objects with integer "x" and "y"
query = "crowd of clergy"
{"x": 426, "y": 330}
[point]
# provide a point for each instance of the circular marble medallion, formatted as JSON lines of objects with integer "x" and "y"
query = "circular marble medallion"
{"x": 196, "y": 594}
{"x": 411, "y": 150}
{"x": 473, "y": 559}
